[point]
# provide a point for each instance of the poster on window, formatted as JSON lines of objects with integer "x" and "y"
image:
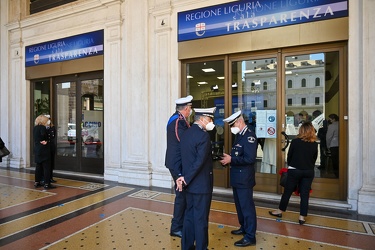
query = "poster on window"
{"x": 266, "y": 124}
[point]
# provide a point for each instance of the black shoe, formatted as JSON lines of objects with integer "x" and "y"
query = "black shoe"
{"x": 38, "y": 184}
{"x": 49, "y": 186}
{"x": 244, "y": 242}
{"x": 237, "y": 232}
{"x": 276, "y": 215}
{"x": 52, "y": 181}
{"x": 176, "y": 234}
{"x": 301, "y": 222}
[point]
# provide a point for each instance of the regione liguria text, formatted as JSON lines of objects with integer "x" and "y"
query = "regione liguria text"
{"x": 64, "y": 49}
{"x": 244, "y": 16}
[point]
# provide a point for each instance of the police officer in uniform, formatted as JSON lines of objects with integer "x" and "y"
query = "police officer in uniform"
{"x": 197, "y": 179}
{"x": 176, "y": 126}
{"x": 242, "y": 161}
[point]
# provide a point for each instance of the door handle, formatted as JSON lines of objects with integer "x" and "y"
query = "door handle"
{"x": 286, "y": 139}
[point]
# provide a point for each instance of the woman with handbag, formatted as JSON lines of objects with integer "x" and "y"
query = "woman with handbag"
{"x": 301, "y": 159}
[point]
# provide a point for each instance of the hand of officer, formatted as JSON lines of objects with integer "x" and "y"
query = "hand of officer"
{"x": 180, "y": 183}
{"x": 225, "y": 159}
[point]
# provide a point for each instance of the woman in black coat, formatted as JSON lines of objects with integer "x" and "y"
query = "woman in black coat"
{"x": 42, "y": 152}
{"x": 301, "y": 160}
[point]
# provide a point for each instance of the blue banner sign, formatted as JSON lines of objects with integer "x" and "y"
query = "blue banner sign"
{"x": 64, "y": 49}
{"x": 244, "y": 16}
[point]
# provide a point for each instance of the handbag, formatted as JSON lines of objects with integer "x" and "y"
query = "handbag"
{"x": 284, "y": 174}
{"x": 4, "y": 152}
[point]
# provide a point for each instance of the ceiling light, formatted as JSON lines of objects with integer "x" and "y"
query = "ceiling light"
{"x": 202, "y": 82}
{"x": 189, "y": 77}
{"x": 220, "y": 77}
{"x": 215, "y": 88}
{"x": 208, "y": 70}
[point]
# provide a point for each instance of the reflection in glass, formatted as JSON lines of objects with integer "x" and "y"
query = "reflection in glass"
{"x": 66, "y": 122}
{"x": 92, "y": 118}
{"x": 205, "y": 82}
{"x": 315, "y": 98}
{"x": 254, "y": 92}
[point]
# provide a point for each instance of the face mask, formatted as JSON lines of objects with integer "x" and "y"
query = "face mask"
{"x": 48, "y": 122}
{"x": 234, "y": 130}
{"x": 210, "y": 126}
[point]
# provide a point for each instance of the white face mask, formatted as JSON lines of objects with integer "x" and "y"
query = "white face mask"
{"x": 48, "y": 122}
{"x": 210, "y": 126}
{"x": 234, "y": 130}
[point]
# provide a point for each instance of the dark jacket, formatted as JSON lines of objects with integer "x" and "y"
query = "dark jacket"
{"x": 42, "y": 152}
{"x": 2, "y": 145}
{"x": 176, "y": 126}
{"x": 242, "y": 166}
{"x": 196, "y": 155}
{"x": 302, "y": 155}
{"x": 51, "y": 134}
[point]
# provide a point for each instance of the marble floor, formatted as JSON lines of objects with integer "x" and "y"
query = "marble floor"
{"x": 91, "y": 214}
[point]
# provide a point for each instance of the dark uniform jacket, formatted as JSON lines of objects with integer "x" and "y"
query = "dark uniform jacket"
{"x": 176, "y": 126}
{"x": 242, "y": 166}
{"x": 197, "y": 167}
{"x": 42, "y": 152}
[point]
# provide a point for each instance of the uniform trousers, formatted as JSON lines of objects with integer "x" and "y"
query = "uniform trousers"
{"x": 178, "y": 210}
{"x": 196, "y": 221}
{"x": 246, "y": 213}
{"x": 301, "y": 179}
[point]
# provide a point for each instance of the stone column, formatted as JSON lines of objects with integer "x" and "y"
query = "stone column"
{"x": 361, "y": 134}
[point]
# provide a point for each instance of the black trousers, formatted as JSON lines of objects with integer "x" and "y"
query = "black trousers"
{"x": 301, "y": 179}
{"x": 43, "y": 172}
{"x": 335, "y": 160}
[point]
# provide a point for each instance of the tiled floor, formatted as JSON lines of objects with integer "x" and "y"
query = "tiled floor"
{"x": 90, "y": 215}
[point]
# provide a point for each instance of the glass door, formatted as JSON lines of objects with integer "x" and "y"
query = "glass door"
{"x": 79, "y": 120}
{"x": 276, "y": 91}
{"x": 205, "y": 81}
{"x": 66, "y": 123}
{"x": 254, "y": 91}
{"x": 313, "y": 93}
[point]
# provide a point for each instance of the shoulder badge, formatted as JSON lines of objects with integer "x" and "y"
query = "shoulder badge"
{"x": 251, "y": 139}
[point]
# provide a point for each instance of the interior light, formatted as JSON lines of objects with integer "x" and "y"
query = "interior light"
{"x": 208, "y": 70}
{"x": 202, "y": 82}
{"x": 215, "y": 87}
{"x": 189, "y": 77}
{"x": 220, "y": 77}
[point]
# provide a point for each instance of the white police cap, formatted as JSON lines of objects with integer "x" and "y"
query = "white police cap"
{"x": 184, "y": 101}
{"x": 233, "y": 118}
{"x": 205, "y": 112}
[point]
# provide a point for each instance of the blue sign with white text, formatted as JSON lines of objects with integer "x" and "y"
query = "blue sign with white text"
{"x": 64, "y": 49}
{"x": 244, "y": 16}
